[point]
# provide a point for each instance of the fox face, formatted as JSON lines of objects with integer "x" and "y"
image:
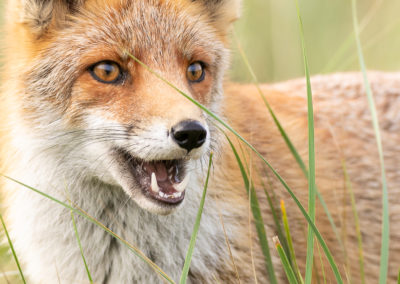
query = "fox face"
{"x": 88, "y": 96}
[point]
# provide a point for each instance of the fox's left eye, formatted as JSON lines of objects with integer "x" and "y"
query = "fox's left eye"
{"x": 195, "y": 72}
{"x": 107, "y": 72}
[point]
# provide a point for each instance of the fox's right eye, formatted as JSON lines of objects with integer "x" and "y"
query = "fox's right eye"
{"x": 107, "y": 72}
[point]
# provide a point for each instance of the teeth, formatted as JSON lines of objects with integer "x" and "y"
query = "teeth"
{"x": 154, "y": 185}
{"x": 180, "y": 187}
{"x": 177, "y": 194}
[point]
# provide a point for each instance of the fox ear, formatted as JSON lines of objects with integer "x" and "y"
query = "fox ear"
{"x": 39, "y": 14}
{"x": 222, "y": 12}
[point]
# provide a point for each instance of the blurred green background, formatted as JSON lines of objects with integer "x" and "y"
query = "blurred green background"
{"x": 268, "y": 32}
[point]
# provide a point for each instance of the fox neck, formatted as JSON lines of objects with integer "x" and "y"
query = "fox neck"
{"x": 164, "y": 239}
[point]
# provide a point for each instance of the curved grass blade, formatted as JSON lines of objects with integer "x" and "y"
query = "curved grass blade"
{"x": 290, "y": 242}
{"x": 192, "y": 243}
{"x": 12, "y": 248}
{"x": 311, "y": 157}
{"x": 285, "y": 262}
{"x": 277, "y": 175}
{"x": 82, "y": 213}
{"x": 322, "y": 264}
{"x": 288, "y": 142}
{"x": 255, "y": 208}
{"x": 384, "y": 260}
{"x": 80, "y": 248}
{"x": 277, "y": 220}
{"x": 356, "y": 221}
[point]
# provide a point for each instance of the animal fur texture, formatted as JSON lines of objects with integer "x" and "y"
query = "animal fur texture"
{"x": 63, "y": 131}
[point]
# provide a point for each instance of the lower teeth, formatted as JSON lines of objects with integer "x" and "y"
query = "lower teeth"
{"x": 175, "y": 195}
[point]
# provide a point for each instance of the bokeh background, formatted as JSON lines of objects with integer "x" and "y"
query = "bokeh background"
{"x": 269, "y": 34}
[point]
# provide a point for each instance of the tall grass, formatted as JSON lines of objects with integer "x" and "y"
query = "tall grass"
{"x": 384, "y": 260}
{"x": 81, "y": 249}
{"x": 226, "y": 126}
{"x": 311, "y": 156}
{"x": 196, "y": 227}
{"x": 255, "y": 208}
{"x": 283, "y": 244}
{"x": 82, "y": 213}
{"x": 12, "y": 248}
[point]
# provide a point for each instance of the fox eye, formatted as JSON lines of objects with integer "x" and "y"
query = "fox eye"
{"x": 107, "y": 72}
{"x": 195, "y": 72}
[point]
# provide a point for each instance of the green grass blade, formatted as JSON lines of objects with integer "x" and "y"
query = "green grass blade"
{"x": 356, "y": 221}
{"x": 288, "y": 142}
{"x": 385, "y": 201}
{"x": 322, "y": 264}
{"x": 80, "y": 248}
{"x": 277, "y": 175}
{"x": 398, "y": 278}
{"x": 192, "y": 243}
{"x": 290, "y": 242}
{"x": 311, "y": 157}
{"x": 12, "y": 248}
{"x": 277, "y": 221}
{"x": 258, "y": 220}
{"x": 285, "y": 262}
{"x": 82, "y": 213}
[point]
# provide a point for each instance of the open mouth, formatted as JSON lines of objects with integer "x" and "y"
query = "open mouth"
{"x": 162, "y": 180}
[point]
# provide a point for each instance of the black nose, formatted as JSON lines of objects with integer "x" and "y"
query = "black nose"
{"x": 189, "y": 134}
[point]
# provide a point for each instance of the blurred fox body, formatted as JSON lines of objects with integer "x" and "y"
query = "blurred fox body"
{"x": 84, "y": 122}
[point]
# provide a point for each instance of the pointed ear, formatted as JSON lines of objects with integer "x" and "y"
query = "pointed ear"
{"x": 38, "y": 15}
{"x": 222, "y": 12}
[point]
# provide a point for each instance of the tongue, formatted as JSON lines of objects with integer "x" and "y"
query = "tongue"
{"x": 161, "y": 171}
{"x": 158, "y": 168}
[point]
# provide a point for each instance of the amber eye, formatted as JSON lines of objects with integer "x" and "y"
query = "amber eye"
{"x": 195, "y": 72}
{"x": 106, "y": 72}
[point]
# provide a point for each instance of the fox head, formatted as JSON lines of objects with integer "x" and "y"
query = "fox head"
{"x": 84, "y": 93}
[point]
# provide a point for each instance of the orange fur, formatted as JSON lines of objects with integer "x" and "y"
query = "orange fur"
{"x": 343, "y": 128}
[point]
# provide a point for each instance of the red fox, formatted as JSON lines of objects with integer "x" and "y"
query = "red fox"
{"x": 86, "y": 123}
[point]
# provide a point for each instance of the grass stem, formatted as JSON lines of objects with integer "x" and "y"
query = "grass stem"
{"x": 384, "y": 259}
{"x": 311, "y": 156}
{"x": 188, "y": 259}
{"x": 251, "y": 147}
{"x": 12, "y": 248}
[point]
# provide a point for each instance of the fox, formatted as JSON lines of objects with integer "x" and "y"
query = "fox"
{"x": 84, "y": 122}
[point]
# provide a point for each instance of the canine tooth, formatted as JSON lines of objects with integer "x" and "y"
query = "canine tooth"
{"x": 154, "y": 185}
{"x": 182, "y": 186}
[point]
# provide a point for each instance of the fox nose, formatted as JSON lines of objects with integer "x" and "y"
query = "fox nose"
{"x": 189, "y": 134}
